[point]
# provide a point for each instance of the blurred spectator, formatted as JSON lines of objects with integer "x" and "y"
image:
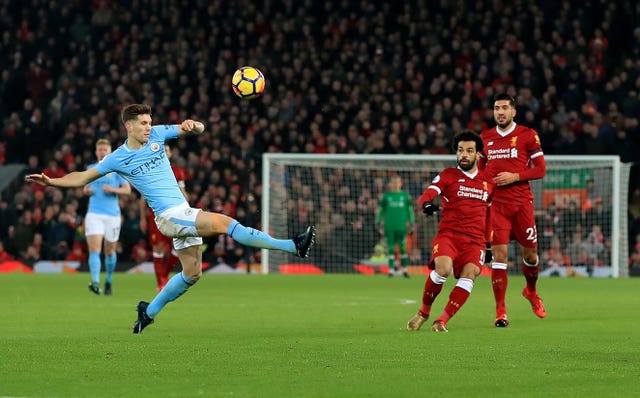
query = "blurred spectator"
{"x": 379, "y": 255}
{"x": 4, "y": 255}
{"x": 595, "y": 249}
{"x": 599, "y": 216}
{"x": 139, "y": 252}
{"x": 634, "y": 263}
{"x": 25, "y": 230}
{"x": 575, "y": 78}
{"x": 77, "y": 253}
{"x": 36, "y": 251}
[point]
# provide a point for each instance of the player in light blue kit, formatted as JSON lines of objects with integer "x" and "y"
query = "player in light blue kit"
{"x": 141, "y": 160}
{"x": 103, "y": 220}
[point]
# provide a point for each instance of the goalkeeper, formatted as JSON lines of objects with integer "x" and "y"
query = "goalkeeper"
{"x": 396, "y": 220}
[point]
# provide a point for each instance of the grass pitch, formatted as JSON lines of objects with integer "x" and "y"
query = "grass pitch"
{"x": 314, "y": 336}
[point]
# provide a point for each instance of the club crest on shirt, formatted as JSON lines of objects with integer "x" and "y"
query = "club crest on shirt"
{"x": 514, "y": 140}
{"x": 154, "y": 147}
{"x": 537, "y": 139}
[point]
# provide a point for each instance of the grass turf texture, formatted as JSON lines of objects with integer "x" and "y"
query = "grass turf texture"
{"x": 314, "y": 336}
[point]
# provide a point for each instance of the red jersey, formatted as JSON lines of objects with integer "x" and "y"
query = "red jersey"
{"x": 513, "y": 151}
{"x": 465, "y": 199}
{"x": 180, "y": 177}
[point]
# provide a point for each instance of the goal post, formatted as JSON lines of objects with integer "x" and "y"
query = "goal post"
{"x": 581, "y": 212}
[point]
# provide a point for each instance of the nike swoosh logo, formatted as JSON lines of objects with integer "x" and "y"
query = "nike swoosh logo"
{"x": 126, "y": 163}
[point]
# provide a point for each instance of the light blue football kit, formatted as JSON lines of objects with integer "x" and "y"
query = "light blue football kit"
{"x": 103, "y": 218}
{"x": 148, "y": 170}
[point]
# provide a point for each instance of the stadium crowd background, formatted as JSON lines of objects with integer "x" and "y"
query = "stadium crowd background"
{"x": 342, "y": 77}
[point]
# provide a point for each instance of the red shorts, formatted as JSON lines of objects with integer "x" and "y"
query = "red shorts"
{"x": 156, "y": 237}
{"x": 513, "y": 221}
{"x": 461, "y": 249}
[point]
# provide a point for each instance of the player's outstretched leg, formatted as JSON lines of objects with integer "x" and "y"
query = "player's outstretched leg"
{"x": 300, "y": 245}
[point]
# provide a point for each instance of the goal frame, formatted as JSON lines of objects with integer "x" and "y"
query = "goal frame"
{"x": 619, "y": 232}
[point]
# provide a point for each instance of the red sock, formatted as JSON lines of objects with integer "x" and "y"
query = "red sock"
{"x": 431, "y": 291}
{"x": 158, "y": 267}
{"x": 171, "y": 262}
{"x": 531, "y": 275}
{"x": 499, "y": 281}
{"x": 457, "y": 298}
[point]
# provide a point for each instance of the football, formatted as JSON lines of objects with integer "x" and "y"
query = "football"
{"x": 248, "y": 82}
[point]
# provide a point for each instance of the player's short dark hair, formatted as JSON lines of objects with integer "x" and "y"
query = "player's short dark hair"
{"x": 132, "y": 111}
{"x": 504, "y": 97}
{"x": 467, "y": 135}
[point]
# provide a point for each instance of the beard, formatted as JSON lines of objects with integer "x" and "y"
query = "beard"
{"x": 466, "y": 166}
{"x": 503, "y": 126}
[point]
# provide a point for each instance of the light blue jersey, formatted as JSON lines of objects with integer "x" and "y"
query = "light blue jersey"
{"x": 101, "y": 202}
{"x": 147, "y": 169}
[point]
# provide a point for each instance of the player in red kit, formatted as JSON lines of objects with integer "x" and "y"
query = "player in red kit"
{"x": 513, "y": 156}
{"x": 164, "y": 256}
{"x": 459, "y": 246}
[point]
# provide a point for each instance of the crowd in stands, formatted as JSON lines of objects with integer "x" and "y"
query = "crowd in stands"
{"x": 342, "y": 77}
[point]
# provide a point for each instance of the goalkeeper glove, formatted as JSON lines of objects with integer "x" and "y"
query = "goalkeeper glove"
{"x": 488, "y": 255}
{"x": 429, "y": 208}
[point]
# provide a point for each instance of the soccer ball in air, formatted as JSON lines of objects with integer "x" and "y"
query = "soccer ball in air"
{"x": 248, "y": 82}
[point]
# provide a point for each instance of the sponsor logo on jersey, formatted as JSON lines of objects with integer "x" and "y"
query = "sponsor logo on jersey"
{"x": 473, "y": 192}
{"x": 154, "y": 147}
{"x": 502, "y": 153}
{"x": 149, "y": 165}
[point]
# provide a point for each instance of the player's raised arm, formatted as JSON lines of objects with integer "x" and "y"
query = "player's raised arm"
{"x": 72, "y": 180}
{"x": 190, "y": 127}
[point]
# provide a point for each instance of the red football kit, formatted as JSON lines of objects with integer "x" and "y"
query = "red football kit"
{"x": 517, "y": 150}
{"x": 154, "y": 234}
{"x": 462, "y": 232}
{"x": 162, "y": 265}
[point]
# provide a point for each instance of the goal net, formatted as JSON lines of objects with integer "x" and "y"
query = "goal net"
{"x": 581, "y": 212}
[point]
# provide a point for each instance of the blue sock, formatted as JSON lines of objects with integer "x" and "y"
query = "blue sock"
{"x": 254, "y": 238}
{"x": 176, "y": 286}
{"x": 94, "y": 266}
{"x": 110, "y": 266}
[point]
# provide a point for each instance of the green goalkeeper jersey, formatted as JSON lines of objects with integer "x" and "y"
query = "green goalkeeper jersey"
{"x": 395, "y": 209}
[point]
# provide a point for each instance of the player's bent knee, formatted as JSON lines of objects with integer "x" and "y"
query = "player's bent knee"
{"x": 194, "y": 276}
